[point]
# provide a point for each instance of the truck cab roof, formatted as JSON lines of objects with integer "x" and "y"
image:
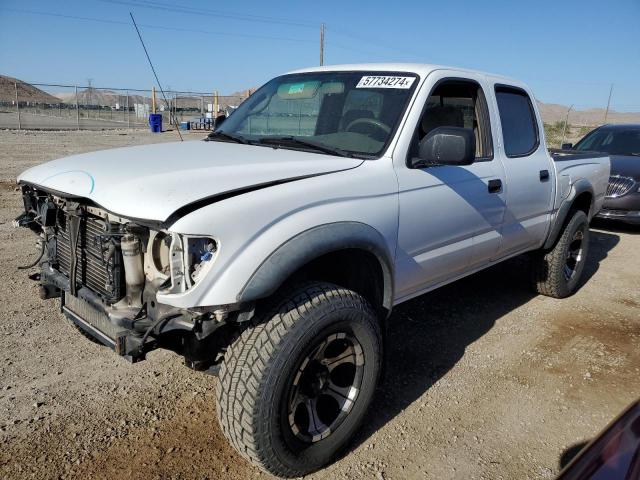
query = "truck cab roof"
{"x": 422, "y": 69}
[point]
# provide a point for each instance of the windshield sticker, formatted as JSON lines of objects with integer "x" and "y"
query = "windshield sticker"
{"x": 385, "y": 82}
{"x": 296, "y": 88}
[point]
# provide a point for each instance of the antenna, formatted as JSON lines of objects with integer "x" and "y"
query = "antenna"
{"x": 155, "y": 75}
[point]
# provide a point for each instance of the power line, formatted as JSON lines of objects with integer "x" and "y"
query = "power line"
{"x": 155, "y": 75}
{"x": 156, "y": 5}
{"x": 369, "y": 41}
{"x": 162, "y": 27}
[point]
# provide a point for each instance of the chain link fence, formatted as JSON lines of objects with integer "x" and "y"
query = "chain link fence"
{"x": 72, "y": 107}
{"x": 41, "y": 106}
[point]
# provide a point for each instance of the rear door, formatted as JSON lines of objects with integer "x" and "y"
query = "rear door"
{"x": 529, "y": 174}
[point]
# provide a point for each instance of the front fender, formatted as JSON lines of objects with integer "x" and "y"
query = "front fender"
{"x": 312, "y": 244}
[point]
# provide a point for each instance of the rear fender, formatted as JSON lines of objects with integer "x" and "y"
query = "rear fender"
{"x": 579, "y": 187}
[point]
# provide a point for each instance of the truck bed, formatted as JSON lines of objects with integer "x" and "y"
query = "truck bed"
{"x": 560, "y": 155}
{"x": 573, "y": 169}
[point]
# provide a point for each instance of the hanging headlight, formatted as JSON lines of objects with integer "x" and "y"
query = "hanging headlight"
{"x": 190, "y": 258}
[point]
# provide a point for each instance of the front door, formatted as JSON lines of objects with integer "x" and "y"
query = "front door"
{"x": 450, "y": 216}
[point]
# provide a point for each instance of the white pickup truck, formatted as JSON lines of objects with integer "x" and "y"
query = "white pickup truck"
{"x": 273, "y": 252}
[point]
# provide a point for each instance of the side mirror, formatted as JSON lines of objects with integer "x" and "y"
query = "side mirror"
{"x": 567, "y": 146}
{"x": 219, "y": 120}
{"x": 448, "y": 146}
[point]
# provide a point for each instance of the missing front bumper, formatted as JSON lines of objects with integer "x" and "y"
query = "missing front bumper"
{"x": 97, "y": 325}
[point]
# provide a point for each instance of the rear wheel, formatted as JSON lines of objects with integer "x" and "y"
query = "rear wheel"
{"x": 557, "y": 272}
{"x": 295, "y": 386}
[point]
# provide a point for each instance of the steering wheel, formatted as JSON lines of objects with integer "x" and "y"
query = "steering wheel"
{"x": 369, "y": 121}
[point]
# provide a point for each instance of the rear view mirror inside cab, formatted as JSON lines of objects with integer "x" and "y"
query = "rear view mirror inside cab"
{"x": 298, "y": 90}
{"x": 304, "y": 90}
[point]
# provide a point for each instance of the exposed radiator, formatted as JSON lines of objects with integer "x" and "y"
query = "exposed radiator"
{"x": 90, "y": 315}
{"x": 95, "y": 270}
{"x": 619, "y": 186}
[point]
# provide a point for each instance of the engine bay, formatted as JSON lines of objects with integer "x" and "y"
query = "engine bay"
{"x": 107, "y": 271}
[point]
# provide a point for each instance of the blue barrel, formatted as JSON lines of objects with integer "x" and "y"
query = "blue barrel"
{"x": 184, "y": 126}
{"x": 155, "y": 122}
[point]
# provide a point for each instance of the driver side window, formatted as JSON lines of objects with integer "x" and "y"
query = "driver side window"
{"x": 457, "y": 103}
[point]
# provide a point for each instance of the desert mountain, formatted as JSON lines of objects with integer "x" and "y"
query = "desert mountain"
{"x": 26, "y": 92}
{"x": 551, "y": 113}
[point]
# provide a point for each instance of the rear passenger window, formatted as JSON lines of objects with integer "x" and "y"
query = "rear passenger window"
{"x": 519, "y": 126}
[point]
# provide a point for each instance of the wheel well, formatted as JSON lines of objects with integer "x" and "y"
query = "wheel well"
{"x": 352, "y": 268}
{"x": 582, "y": 202}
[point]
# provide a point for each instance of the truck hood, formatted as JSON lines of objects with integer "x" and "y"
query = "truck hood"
{"x": 152, "y": 182}
{"x": 625, "y": 166}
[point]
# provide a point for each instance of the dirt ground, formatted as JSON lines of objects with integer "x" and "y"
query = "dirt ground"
{"x": 484, "y": 379}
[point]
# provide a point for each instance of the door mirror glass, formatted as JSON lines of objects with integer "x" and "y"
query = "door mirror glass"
{"x": 567, "y": 146}
{"x": 447, "y": 146}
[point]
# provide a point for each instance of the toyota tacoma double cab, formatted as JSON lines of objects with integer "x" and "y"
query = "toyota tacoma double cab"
{"x": 273, "y": 252}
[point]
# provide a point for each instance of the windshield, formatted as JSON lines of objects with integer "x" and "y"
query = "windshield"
{"x": 340, "y": 113}
{"x": 612, "y": 141}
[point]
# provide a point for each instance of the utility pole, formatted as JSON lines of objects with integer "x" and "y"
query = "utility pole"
{"x": 566, "y": 121}
{"x": 77, "y": 109}
{"x": 89, "y": 80}
{"x": 321, "y": 44}
{"x": 606, "y": 112}
{"x": 18, "y": 106}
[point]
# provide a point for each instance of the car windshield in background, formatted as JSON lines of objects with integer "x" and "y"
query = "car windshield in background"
{"x": 614, "y": 141}
{"x": 340, "y": 113}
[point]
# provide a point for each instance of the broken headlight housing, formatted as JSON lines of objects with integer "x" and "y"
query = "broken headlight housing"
{"x": 189, "y": 259}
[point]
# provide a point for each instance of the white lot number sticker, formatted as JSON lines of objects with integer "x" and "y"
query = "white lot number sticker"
{"x": 385, "y": 82}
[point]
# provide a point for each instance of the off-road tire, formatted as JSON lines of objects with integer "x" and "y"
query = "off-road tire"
{"x": 548, "y": 275}
{"x": 261, "y": 363}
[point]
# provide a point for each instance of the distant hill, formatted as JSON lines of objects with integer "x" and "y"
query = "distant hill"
{"x": 26, "y": 92}
{"x": 110, "y": 98}
{"x": 101, "y": 97}
{"x": 552, "y": 113}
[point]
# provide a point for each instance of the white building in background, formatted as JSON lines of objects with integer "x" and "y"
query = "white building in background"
{"x": 141, "y": 109}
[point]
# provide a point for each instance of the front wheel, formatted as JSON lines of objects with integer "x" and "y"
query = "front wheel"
{"x": 557, "y": 272}
{"x": 295, "y": 386}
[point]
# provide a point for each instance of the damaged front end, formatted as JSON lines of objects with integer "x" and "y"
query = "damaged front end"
{"x": 107, "y": 271}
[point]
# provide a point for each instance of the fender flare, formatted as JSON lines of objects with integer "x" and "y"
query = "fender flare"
{"x": 579, "y": 187}
{"x": 311, "y": 244}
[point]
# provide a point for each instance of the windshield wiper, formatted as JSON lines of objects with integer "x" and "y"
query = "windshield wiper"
{"x": 227, "y": 136}
{"x": 320, "y": 147}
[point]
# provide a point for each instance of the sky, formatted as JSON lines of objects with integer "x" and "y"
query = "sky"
{"x": 569, "y": 52}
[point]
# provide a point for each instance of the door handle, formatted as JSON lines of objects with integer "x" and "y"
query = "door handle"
{"x": 495, "y": 186}
{"x": 544, "y": 175}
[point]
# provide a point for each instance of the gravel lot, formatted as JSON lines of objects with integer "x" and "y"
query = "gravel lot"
{"x": 484, "y": 379}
